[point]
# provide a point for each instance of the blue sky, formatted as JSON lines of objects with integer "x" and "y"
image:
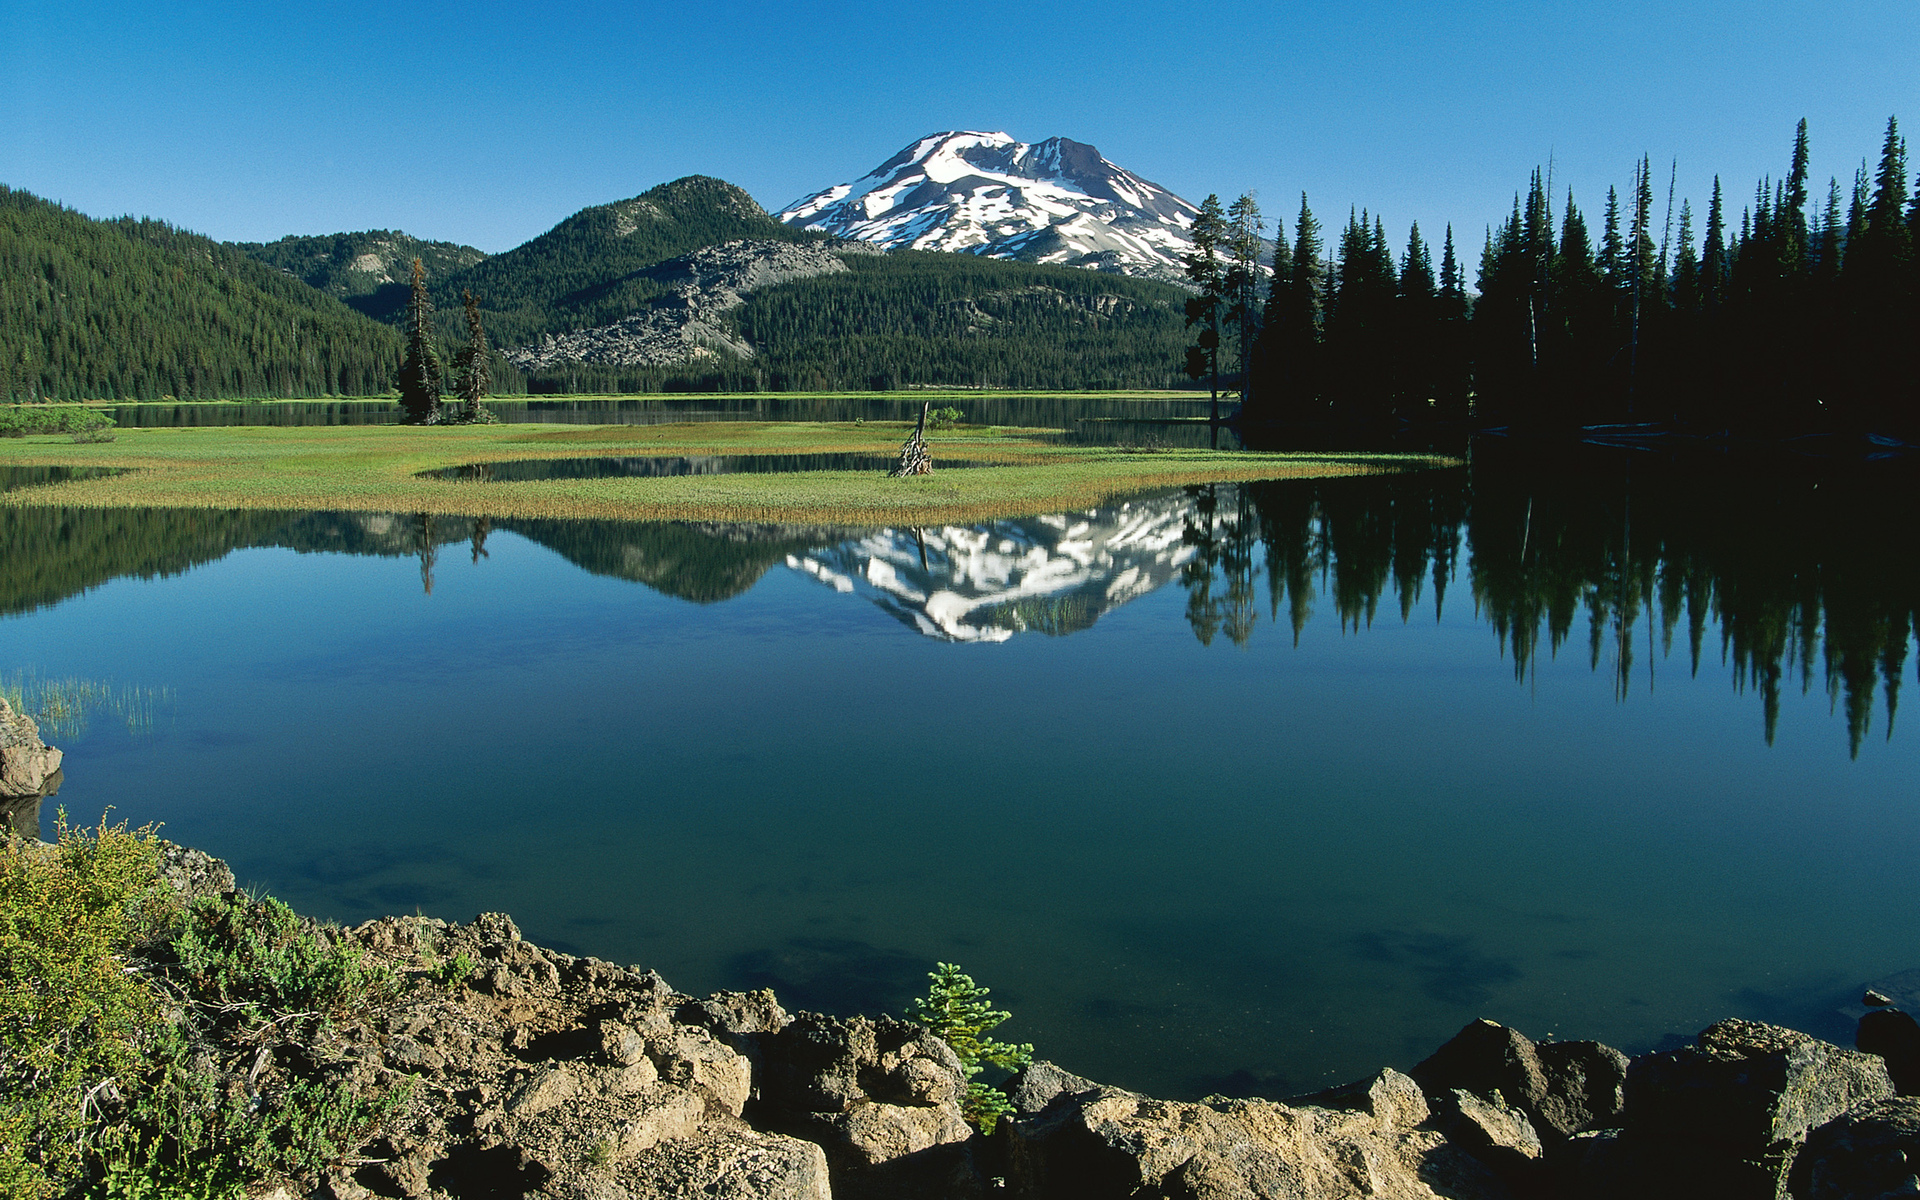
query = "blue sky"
{"x": 487, "y": 122}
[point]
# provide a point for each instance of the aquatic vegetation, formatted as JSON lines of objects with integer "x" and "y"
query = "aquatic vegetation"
{"x": 63, "y": 707}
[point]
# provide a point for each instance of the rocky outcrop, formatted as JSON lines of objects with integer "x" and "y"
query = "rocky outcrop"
{"x": 26, "y": 762}
{"x": 1723, "y": 1119}
{"x": 1870, "y": 1152}
{"x": 1563, "y": 1088}
{"x": 685, "y": 325}
{"x": 1106, "y": 1142}
{"x": 29, "y": 772}
{"x": 531, "y": 1073}
{"x": 881, "y": 1096}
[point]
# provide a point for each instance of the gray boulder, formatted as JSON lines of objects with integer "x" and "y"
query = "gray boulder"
{"x": 1039, "y": 1083}
{"x": 1871, "y": 1153}
{"x": 28, "y": 766}
{"x": 1393, "y": 1098}
{"x": 1563, "y": 1087}
{"x": 1895, "y": 1037}
{"x": 1108, "y": 1143}
{"x": 1727, "y": 1116}
{"x": 883, "y": 1097}
{"x": 1491, "y": 1130}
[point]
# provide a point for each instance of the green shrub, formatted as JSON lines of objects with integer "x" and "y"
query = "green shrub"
{"x": 944, "y": 418}
{"x": 262, "y": 958}
{"x": 21, "y": 420}
{"x": 75, "y": 1012}
{"x": 956, "y": 1008}
{"x": 153, "y": 1051}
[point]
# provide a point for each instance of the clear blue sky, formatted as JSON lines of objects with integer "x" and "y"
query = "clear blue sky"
{"x": 487, "y": 122}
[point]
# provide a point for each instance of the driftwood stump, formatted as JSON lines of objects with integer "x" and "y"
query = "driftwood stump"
{"x": 914, "y": 459}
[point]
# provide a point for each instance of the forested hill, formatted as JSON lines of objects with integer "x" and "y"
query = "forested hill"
{"x": 368, "y": 270}
{"x": 585, "y": 271}
{"x": 136, "y": 309}
{"x": 929, "y": 318}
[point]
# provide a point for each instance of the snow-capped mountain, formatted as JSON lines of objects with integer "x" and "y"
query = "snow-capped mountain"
{"x": 1055, "y": 574}
{"x": 1056, "y": 201}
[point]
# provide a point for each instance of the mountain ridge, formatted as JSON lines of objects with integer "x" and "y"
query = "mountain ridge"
{"x": 1056, "y": 201}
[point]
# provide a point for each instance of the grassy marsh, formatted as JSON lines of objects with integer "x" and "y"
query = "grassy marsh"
{"x": 374, "y": 468}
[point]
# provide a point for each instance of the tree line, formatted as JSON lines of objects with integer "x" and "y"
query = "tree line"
{"x": 1797, "y": 316}
{"x": 138, "y": 310}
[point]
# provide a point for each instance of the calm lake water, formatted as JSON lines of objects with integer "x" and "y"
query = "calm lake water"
{"x": 1084, "y": 420}
{"x": 1237, "y": 788}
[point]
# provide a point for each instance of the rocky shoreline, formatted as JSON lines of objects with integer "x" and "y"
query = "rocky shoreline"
{"x": 504, "y": 1069}
{"x": 541, "y": 1074}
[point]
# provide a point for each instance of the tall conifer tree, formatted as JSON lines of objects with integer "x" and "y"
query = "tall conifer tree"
{"x": 420, "y": 371}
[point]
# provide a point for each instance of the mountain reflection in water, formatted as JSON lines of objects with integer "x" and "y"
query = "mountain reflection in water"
{"x": 1810, "y": 576}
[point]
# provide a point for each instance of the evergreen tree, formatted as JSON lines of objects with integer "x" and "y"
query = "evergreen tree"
{"x": 1417, "y": 343}
{"x": 1289, "y": 354}
{"x": 1206, "y": 269}
{"x": 1242, "y": 282}
{"x": 471, "y": 379}
{"x": 1453, "y": 370}
{"x": 420, "y": 371}
{"x": 1713, "y": 254}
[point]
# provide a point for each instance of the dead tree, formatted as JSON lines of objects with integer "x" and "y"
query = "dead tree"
{"x": 914, "y": 459}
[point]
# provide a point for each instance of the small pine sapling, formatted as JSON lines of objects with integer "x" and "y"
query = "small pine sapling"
{"x": 956, "y": 1009}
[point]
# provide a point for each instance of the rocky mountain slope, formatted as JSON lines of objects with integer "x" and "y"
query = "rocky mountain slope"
{"x": 593, "y": 268}
{"x": 1056, "y": 201}
{"x": 683, "y": 325}
{"x": 370, "y": 270}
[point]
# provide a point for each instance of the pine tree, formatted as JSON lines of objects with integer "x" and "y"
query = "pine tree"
{"x": 1713, "y": 254}
{"x": 1242, "y": 282}
{"x": 471, "y": 379}
{"x": 1453, "y": 373}
{"x": 1205, "y": 268}
{"x": 1289, "y": 352}
{"x": 420, "y": 372}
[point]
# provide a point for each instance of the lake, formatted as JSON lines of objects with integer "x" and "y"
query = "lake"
{"x": 1244, "y": 788}
{"x": 1165, "y": 421}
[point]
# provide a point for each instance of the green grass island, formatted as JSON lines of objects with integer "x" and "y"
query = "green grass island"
{"x": 377, "y": 468}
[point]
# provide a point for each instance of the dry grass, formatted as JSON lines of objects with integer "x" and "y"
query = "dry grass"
{"x": 374, "y": 468}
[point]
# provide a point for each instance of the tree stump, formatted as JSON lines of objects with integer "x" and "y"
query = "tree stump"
{"x": 914, "y": 459}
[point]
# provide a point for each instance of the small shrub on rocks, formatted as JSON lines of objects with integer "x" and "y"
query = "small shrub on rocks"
{"x": 956, "y": 1010}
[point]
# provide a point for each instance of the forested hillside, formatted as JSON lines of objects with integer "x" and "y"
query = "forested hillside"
{"x": 911, "y": 318}
{"x": 367, "y": 270}
{"x": 922, "y": 317}
{"x": 137, "y": 310}
{"x": 584, "y": 271}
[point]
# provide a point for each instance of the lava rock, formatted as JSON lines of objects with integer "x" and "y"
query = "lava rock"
{"x": 1106, "y": 1144}
{"x": 1563, "y": 1087}
{"x": 1039, "y": 1083}
{"x": 26, "y": 762}
{"x": 1870, "y": 1153}
{"x": 1895, "y": 1037}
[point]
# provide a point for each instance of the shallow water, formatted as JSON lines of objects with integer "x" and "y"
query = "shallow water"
{"x": 1239, "y": 789}
{"x": 12, "y": 477}
{"x": 1081, "y": 420}
{"x": 654, "y": 466}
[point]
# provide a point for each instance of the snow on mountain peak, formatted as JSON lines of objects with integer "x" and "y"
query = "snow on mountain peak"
{"x": 1056, "y": 201}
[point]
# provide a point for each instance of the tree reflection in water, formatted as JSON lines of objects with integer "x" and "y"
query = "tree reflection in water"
{"x": 1810, "y": 572}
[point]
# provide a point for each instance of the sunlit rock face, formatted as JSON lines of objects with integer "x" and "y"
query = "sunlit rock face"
{"x": 1052, "y": 574}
